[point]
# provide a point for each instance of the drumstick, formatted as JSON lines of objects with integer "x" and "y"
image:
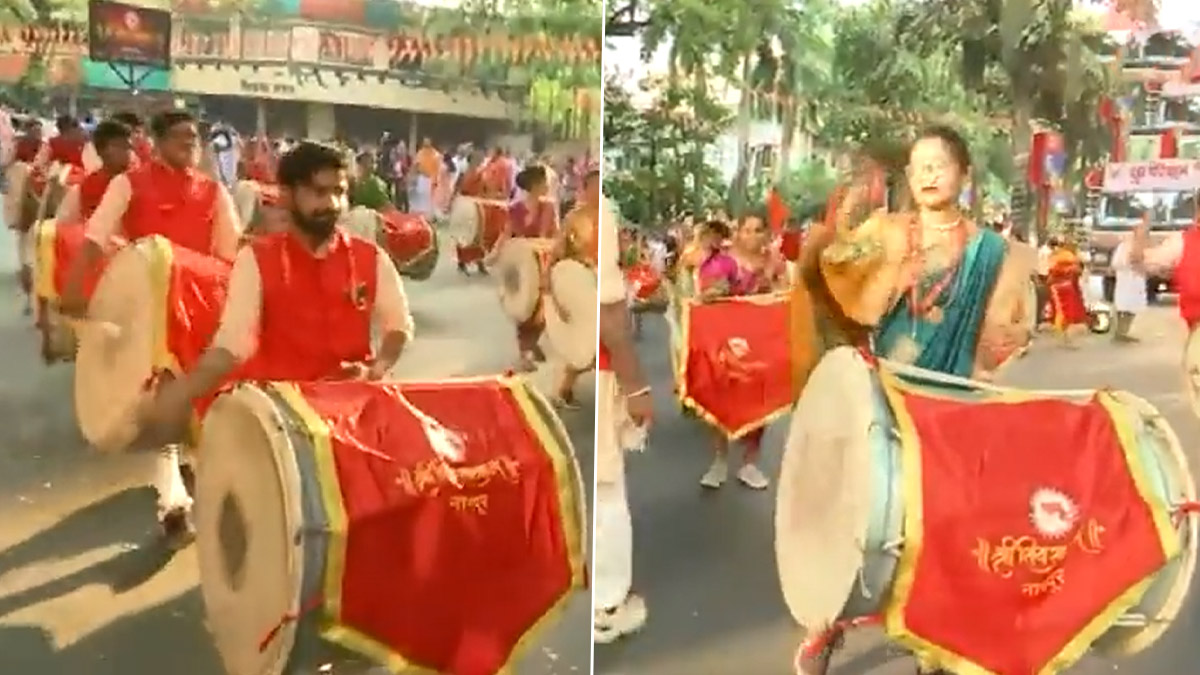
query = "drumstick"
{"x": 954, "y": 380}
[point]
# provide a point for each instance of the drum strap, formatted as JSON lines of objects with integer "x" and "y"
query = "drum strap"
{"x": 311, "y": 605}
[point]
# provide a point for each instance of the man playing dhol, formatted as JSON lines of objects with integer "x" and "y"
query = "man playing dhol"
{"x": 113, "y": 144}
{"x": 167, "y": 197}
{"x": 302, "y": 302}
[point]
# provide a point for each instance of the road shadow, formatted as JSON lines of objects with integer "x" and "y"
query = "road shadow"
{"x": 166, "y": 638}
{"x": 97, "y": 525}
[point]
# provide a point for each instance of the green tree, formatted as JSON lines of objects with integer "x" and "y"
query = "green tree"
{"x": 655, "y": 167}
{"x": 1033, "y": 59}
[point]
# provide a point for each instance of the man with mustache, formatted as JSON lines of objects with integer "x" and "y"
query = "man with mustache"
{"x": 301, "y": 302}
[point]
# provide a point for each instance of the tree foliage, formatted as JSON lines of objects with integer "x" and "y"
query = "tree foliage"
{"x": 656, "y": 161}
{"x": 870, "y": 75}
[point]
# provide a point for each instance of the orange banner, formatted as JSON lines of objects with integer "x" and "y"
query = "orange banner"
{"x": 1028, "y": 528}
{"x": 736, "y": 372}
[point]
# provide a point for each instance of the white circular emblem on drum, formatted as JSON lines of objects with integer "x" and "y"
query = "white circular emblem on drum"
{"x": 739, "y": 347}
{"x": 1052, "y": 513}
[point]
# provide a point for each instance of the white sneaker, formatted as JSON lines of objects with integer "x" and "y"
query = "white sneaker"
{"x": 716, "y": 475}
{"x": 609, "y": 625}
{"x": 752, "y": 477}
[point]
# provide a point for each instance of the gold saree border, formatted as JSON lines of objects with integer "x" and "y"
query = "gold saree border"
{"x": 681, "y": 361}
{"x": 913, "y": 494}
{"x": 571, "y": 521}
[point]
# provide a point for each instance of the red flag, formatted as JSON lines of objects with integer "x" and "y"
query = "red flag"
{"x": 777, "y": 212}
{"x": 737, "y": 371}
{"x": 1052, "y": 543}
{"x": 1168, "y": 145}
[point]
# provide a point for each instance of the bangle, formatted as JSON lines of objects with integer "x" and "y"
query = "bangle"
{"x": 640, "y": 392}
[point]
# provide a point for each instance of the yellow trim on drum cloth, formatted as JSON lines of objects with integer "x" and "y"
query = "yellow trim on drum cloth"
{"x": 913, "y": 497}
{"x": 43, "y": 283}
{"x": 685, "y": 328}
{"x": 335, "y": 511}
{"x": 162, "y": 261}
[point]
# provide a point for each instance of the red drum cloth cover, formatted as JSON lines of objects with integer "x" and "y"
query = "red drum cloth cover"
{"x": 493, "y": 218}
{"x": 737, "y": 371}
{"x": 406, "y": 236}
{"x": 437, "y": 563}
{"x": 1028, "y": 528}
{"x": 58, "y": 246}
{"x": 644, "y": 279}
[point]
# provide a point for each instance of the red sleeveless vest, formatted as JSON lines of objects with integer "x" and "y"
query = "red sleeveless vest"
{"x": 180, "y": 205}
{"x": 66, "y": 151}
{"x": 1187, "y": 277}
{"x": 27, "y": 149}
{"x": 91, "y": 191}
{"x": 316, "y": 312}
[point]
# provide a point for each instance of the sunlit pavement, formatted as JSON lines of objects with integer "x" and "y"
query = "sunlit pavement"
{"x": 706, "y": 563}
{"x": 84, "y": 587}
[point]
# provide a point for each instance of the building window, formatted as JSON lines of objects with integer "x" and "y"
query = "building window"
{"x": 767, "y": 157}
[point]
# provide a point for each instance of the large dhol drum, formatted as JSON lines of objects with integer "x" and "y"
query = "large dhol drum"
{"x": 475, "y": 225}
{"x": 573, "y": 338}
{"x": 408, "y": 239}
{"x": 1191, "y": 369}
{"x": 734, "y": 365}
{"x": 647, "y": 291}
{"x": 56, "y": 247}
{"x": 324, "y": 510}
{"x": 520, "y": 264}
{"x": 919, "y": 498}
{"x": 464, "y": 221}
{"x": 411, "y": 242}
{"x": 164, "y": 304}
{"x": 25, "y": 189}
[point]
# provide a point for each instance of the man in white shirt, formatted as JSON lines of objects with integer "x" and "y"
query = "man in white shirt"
{"x": 624, "y": 409}
{"x": 1129, "y": 293}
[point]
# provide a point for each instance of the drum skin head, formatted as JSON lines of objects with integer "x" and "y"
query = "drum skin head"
{"x": 573, "y": 285}
{"x": 823, "y": 505}
{"x": 1127, "y": 640}
{"x": 519, "y": 278}
{"x": 1191, "y": 369}
{"x": 110, "y": 372}
{"x": 463, "y": 220}
{"x": 248, "y": 519}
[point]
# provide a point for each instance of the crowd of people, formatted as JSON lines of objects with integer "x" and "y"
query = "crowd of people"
{"x": 126, "y": 174}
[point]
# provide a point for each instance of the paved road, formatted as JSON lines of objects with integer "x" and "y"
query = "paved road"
{"x": 705, "y": 561}
{"x": 84, "y": 590}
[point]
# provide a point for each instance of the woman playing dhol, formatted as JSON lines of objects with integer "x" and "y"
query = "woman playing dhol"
{"x": 532, "y": 217}
{"x": 935, "y": 290}
{"x": 745, "y": 268}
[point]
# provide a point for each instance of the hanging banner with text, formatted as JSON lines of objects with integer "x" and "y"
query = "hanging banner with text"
{"x": 123, "y": 33}
{"x": 1163, "y": 175}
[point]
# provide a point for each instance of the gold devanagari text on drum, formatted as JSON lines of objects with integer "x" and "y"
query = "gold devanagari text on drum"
{"x": 1029, "y": 552}
{"x": 431, "y": 477}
